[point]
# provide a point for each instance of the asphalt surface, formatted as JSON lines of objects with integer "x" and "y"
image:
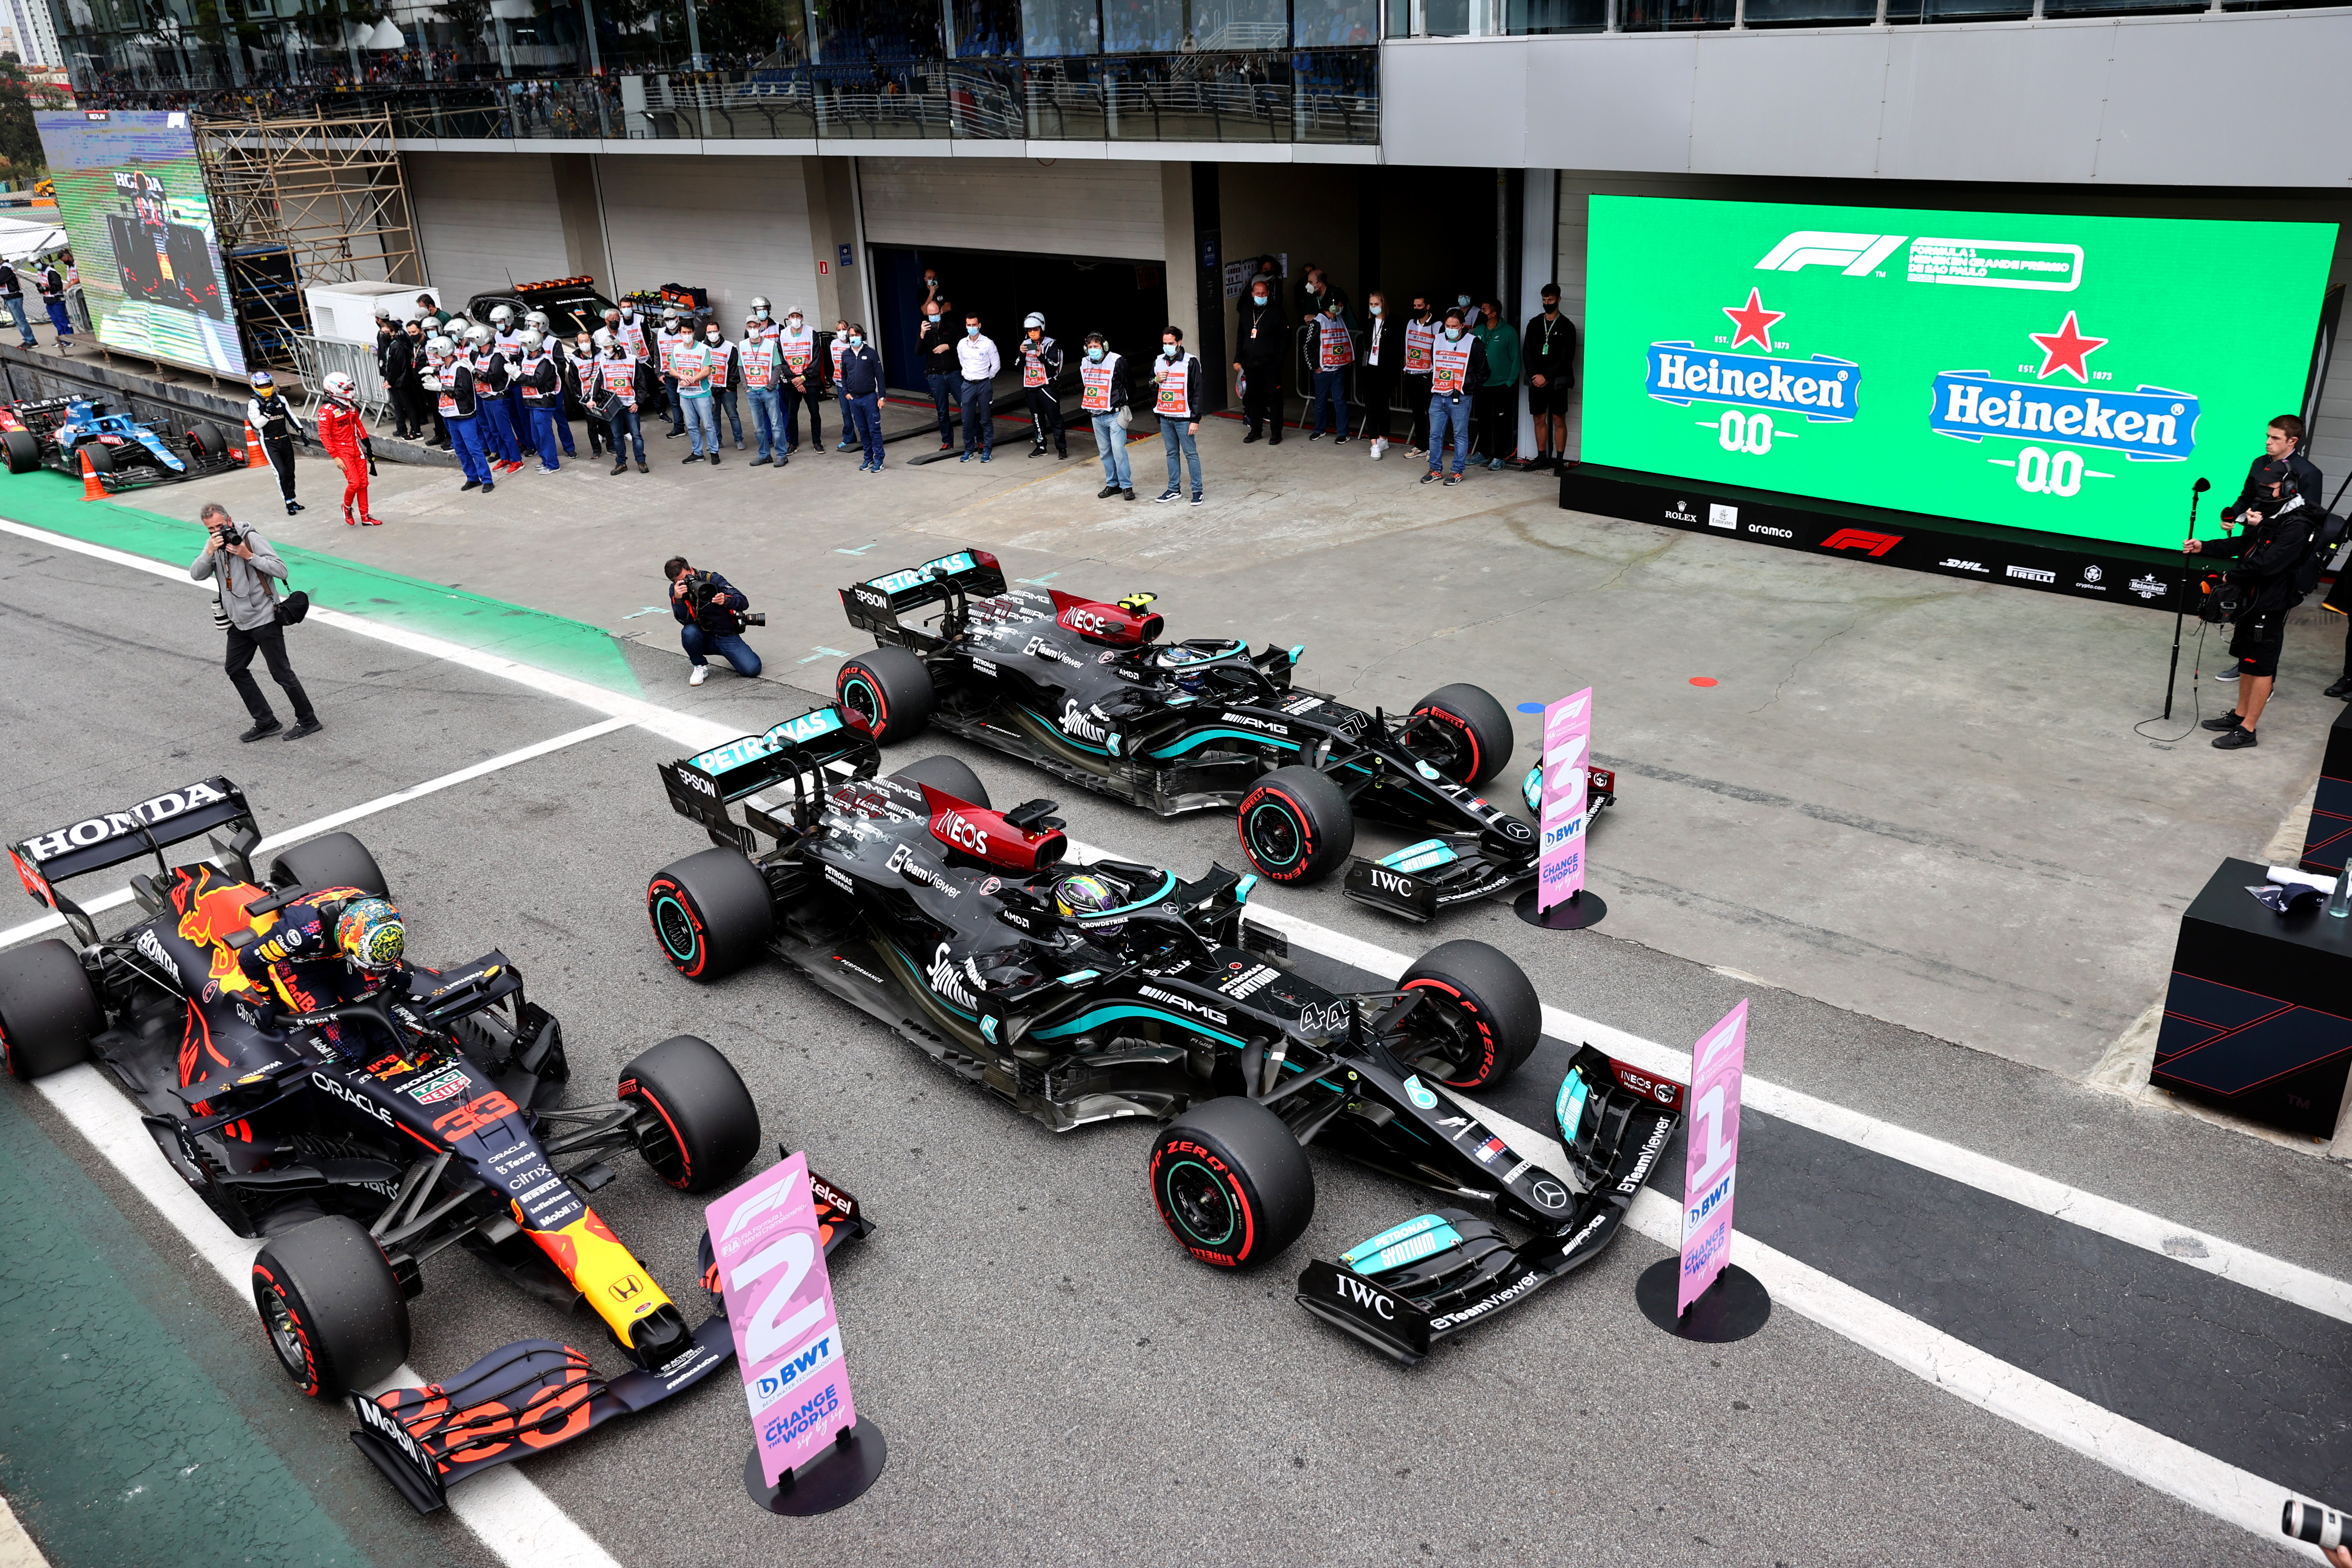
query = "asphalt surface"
{"x": 1058, "y": 1383}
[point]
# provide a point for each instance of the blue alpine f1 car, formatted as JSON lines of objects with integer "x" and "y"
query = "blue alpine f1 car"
{"x": 125, "y": 453}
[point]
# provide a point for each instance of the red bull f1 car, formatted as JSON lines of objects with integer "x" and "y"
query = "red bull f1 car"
{"x": 954, "y": 923}
{"x": 358, "y": 1139}
{"x": 126, "y": 454}
{"x": 1089, "y": 690}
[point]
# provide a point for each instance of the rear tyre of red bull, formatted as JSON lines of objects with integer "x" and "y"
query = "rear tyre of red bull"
{"x": 709, "y": 1128}
{"x": 330, "y": 860}
{"x": 333, "y": 1312}
{"x": 1231, "y": 1183}
{"x": 48, "y": 1010}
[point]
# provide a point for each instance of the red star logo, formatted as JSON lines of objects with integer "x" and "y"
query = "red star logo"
{"x": 2066, "y": 350}
{"x": 1754, "y": 322}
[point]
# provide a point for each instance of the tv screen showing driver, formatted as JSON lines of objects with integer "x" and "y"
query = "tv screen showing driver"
{"x": 131, "y": 194}
{"x": 2074, "y": 375}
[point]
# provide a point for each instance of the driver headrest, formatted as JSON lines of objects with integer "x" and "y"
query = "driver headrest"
{"x": 1106, "y": 624}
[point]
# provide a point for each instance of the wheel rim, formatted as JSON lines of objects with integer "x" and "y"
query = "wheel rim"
{"x": 1199, "y": 1203}
{"x": 1274, "y": 840}
{"x": 285, "y": 1338}
{"x": 676, "y": 928}
{"x": 1441, "y": 1041}
{"x": 1454, "y": 754}
{"x": 860, "y": 699}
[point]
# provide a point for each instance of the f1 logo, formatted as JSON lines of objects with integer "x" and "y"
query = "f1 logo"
{"x": 1858, "y": 254}
{"x": 1859, "y": 539}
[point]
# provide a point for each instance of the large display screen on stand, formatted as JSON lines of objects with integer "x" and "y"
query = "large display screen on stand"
{"x": 2073, "y": 375}
{"x": 132, "y": 197}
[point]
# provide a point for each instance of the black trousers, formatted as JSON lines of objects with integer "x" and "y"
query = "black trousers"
{"x": 1045, "y": 417}
{"x": 947, "y": 393}
{"x": 271, "y": 641}
{"x": 1377, "y": 396}
{"x": 1494, "y": 421}
{"x": 279, "y": 450}
{"x": 813, "y": 400}
{"x": 1261, "y": 399}
{"x": 1417, "y": 395}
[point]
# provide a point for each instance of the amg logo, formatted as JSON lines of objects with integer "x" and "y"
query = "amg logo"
{"x": 2033, "y": 575}
{"x": 1857, "y": 254}
{"x": 1365, "y": 1296}
{"x": 1155, "y": 994}
{"x": 1232, "y": 718}
{"x": 1954, "y": 564}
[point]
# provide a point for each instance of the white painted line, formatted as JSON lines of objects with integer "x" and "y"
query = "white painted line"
{"x": 513, "y": 1518}
{"x": 333, "y": 820}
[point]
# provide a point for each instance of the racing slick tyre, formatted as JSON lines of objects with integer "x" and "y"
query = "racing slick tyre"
{"x": 1479, "y": 1016}
{"x": 23, "y": 448}
{"x": 890, "y": 688}
{"x": 205, "y": 439}
{"x": 102, "y": 458}
{"x": 1232, "y": 1184}
{"x": 1480, "y": 730}
{"x": 711, "y": 913}
{"x": 48, "y": 1009}
{"x": 946, "y": 773}
{"x": 330, "y": 860}
{"x": 1295, "y": 826}
{"x": 330, "y": 1306}
{"x": 711, "y": 1128}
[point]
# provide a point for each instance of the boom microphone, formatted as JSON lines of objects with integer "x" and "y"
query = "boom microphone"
{"x": 2323, "y": 1527}
{"x": 2201, "y": 485}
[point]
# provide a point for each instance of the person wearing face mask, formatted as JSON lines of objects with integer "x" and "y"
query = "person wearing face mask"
{"x": 1377, "y": 368}
{"x": 1549, "y": 348}
{"x": 1176, "y": 378}
{"x": 799, "y": 383}
{"x": 850, "y": 440}
{"x": 860, "y": 380}
{"x": 624, "y": 384}
{"x": 1102, "y": 394}
{"x": 578, "y": 365}
{"x": 1261, "y": 341}
{"x": 669, "y": 338}
{"x": 1421, "y": 330}
{"x": 762, "y": 369}
{"x": 1314, "y": 292}
{"x": 1330, "y": 349}
{"x": 627, "y": 325}
{"x": 933, "y": 296}
{"x": 759, "y": 324}
{"x": 1457, "y": 370}
{"x": 691, "y": 365}
{"x": 541, "y": 386}
{"x": 725, "y": 377}
{"x": 1498, "y": 403}
{"x": 935, "y": 349}
{"x": 977, "y": 361}
{"x": 1041, "y": 371}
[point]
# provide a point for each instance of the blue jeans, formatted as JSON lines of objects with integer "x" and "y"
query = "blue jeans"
{"x": 1111, "y": 442}
{"x": 725, "y": 398}
{"x": 979, "y": 417}
{"x": 1332, "y": 387}
{"x": 866, "y": 418}
{"x": 677, "y": 414}
{"x": 733, "y": 650}
{"x": 466, "y": 436}
{"x": 768, "y": 419}
{"x": 849, "y": 423}
{"x": 1448, "y": 414}
{"x": 17, "y": 314}
{"x": 1181, "y": 445}
{"x": 543, "y": 436}
{"x": 702, "y": 423}
{"x": 624, "y": 426}
{"x": 944, "y": 391}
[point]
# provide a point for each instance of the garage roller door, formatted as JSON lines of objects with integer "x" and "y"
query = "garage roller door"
{"x": 737, "y": 226}
{"x": 485, "y": 220}
{"x": 1074, "y": 207}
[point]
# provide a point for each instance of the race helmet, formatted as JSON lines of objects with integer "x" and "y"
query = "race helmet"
{"x": 603, "y": 338}
{"x": 502, "y": 317}
{"x": 1034, "y": 319}
{"x": 479, "y": 336}
{"x": 538, "y": 318}
{"x": 263, "y": 381}
{"x": 531, "y": 338}
{"x": 371, "y": 937}
{"x": 1083, "y": 894}
{"x": 339, "y": 386}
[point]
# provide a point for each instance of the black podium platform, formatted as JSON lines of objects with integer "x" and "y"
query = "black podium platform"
{"x": 2329, "y": 837}
{"x": 2254, "y": 1019}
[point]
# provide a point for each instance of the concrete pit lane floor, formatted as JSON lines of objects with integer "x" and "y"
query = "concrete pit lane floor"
{"x": 1953, "y": 1373}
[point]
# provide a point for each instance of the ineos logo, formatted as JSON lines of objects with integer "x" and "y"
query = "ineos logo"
{"x": 959, "y": 831}
{"x": 1081, "y": 619}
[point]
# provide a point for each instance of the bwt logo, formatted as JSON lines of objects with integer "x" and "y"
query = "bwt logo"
{"x": 1859, "y": 539}
{"x": 1857, "y": 254}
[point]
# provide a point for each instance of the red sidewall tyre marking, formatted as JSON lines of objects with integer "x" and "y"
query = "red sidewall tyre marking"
{"x": 1297, "y": 815}
{"x": 1469, "y": 737}
{"x": 685, "y": 1159}
{"x": 1489, "y": 1048}
{"x": 1216, "y": 1164}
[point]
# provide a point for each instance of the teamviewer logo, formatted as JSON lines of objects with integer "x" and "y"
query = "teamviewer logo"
{"x": 1857, "y": 254}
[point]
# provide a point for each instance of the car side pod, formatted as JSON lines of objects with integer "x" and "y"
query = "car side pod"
{"x": 1415, "y": 1283}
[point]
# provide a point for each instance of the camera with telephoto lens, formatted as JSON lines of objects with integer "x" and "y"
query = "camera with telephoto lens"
{"x": 700, "y": 589}
{"x": 2323, "y": 1527}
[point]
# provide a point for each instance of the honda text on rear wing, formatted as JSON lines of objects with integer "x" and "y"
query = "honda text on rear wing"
{"x": 95, "y": 842}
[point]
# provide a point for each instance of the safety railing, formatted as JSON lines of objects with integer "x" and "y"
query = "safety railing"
{"x": 315, "y": 359}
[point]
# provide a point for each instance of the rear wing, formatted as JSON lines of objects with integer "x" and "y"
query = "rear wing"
{"x": 797, "y": 752}
{"x": 875, "y": 605}
{"x": 95, "y": 842}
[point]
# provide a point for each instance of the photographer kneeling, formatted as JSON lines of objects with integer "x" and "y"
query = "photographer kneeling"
{"x": 711, "y": 615}
{"x": 2276, "y": 539}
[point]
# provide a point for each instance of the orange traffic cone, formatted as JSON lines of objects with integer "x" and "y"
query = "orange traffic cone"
{"x": 90, "y": 488}
{"x": 253, "y": 458}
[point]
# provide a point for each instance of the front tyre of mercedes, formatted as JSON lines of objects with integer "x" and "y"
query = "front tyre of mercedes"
{"x": 1231, "y": 1183}
{"x": 330, "y": 1306}
{"x": 708, "y": 1127}
{"x": 48, "y": 1009}
{"x": 1295, "y": 826}
{"x": 890, "y": 688}
{"x": 1478, "y": 1017}
{"x": 711, "y": 913}
{"x": 1476, "y": 731}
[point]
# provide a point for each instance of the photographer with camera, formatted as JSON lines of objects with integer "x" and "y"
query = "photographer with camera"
{"x": 2277, "y": 538}
{"x": 243, "y": 564}
{"x": 711, "y": 615}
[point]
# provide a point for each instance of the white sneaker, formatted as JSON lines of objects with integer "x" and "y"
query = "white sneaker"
{"x": 702, "y": 673}
{"x": 1379, "y": 447}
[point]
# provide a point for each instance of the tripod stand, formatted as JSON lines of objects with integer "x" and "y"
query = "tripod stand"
{"x": 2180, "y": 611}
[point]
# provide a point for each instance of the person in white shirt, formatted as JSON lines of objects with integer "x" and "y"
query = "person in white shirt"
{"x": 976, "y": 357}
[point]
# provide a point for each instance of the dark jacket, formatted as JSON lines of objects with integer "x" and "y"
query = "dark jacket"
{"x": 2306, "y": 484}
{"x": 1260, "y": 336}
{"x": 403, "y": 361}
{"x": 727, "y": 375}
{"x": 1550, "y": 355}
{"x": 2267, "y": 556}
{"x": 929, "y": 336}
{"x": 653, "y": 397}
{"x": 11, "y": 286}
{"x": 861, "y": 371}
{"x": 722, "y": 617}
{"x": 1386, "y": 334}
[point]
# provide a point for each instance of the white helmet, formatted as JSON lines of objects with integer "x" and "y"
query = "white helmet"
{"x": 501, "y": 316}
{"x": 1035, "y": 318}
{"x": 479, "y": 336}
{"x": 537, "y": 319}
{"x": 439, "y": 346}
{"x": 456, "y": 326}
{"x": 531, "y": 338}
{"x": 341, "y": 387}
{"x": 603, "y": 338}
{"x": 759, "y": 307}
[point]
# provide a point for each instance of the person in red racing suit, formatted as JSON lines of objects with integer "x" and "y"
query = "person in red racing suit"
{"x": 345, "y": 437}
{"x": 336, "y": 945}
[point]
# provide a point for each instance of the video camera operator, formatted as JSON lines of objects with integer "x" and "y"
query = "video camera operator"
{"x": 244, "y": 563}
{"x": 2277, "y": 521}
{"x": 711, "y": 614}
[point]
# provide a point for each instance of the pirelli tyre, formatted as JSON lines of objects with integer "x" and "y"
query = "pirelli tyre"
{"x": 1477, "y": 732}
{"x": 890, "y": 688}
{"x": 205, "y": 439}
{"x": 1478, "y": 1017}
{"x": 946, "y": 773}
{"x": 48, "y": 1011}
{"x": 710, "y": 912}
{"x": 709, "y": 1128}
{"x": 1295, "y": 826}
{"x": 330, "y": 1306}
{"x": 1231, "y": 1183}
{"x": 330, "y": 860}
{"x": 23, "y": 449}
{"x": 102, "y": 456}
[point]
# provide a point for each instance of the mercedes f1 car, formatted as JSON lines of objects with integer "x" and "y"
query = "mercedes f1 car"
{"x": 1089, "y": 691}
{"x": 359, "y": 1141}
{"x": 124, "y": 453}
{"x": 954, "y": 923}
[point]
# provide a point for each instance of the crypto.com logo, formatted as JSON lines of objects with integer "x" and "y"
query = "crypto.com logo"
{"x": 1858, "y": 254}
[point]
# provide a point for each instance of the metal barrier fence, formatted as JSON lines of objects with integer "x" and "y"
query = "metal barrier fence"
{"x": 315, "y": 359}
{"x": 1302, "y": 368}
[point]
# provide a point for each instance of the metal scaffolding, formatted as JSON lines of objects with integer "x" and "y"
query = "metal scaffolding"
{"x": 302, "y": 201}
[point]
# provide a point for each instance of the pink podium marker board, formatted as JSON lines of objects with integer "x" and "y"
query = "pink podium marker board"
{"x": 780, "y": 1303}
